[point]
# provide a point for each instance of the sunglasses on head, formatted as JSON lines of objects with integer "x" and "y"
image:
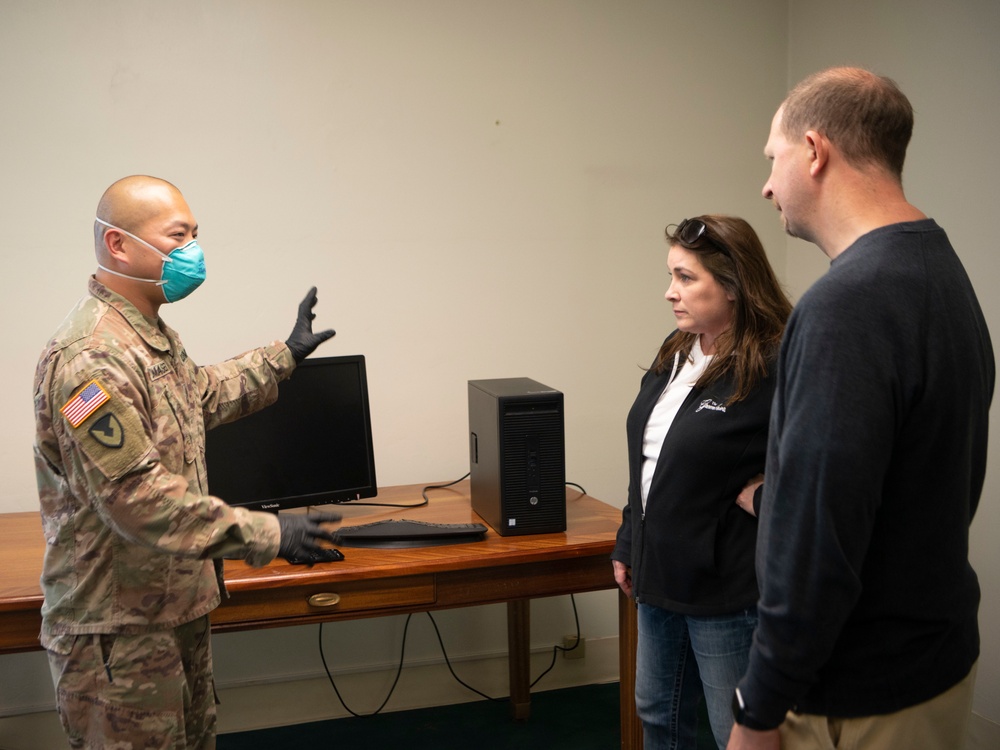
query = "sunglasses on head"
{"x": 690, "y": 231}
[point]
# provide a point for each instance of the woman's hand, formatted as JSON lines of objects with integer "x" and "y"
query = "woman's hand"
{"x": 745, "y": 498}
{"x": 623, "y": 577}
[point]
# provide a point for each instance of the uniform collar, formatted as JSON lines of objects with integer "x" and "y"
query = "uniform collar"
{"x": 148, "y": 329}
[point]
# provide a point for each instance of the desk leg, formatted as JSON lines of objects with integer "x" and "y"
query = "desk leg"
{"x": 518, "y": 655}
{"x": 631, "y": 727}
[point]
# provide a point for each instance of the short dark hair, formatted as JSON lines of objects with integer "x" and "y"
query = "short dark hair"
{"x": 731, "y": 251}
{"x": 864, "y": 115}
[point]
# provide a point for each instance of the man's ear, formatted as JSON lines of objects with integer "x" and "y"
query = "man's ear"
{"x": 113, "y": 240}
{"x": 819, "y": 152}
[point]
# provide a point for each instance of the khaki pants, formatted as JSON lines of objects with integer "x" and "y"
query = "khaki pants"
{"x": 147, "y": 691}
{"x": 938, "y": 724}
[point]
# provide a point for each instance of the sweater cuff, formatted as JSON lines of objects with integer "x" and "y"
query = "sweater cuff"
{"x": 767, "y": 708}
{"x": 757, "y": 495}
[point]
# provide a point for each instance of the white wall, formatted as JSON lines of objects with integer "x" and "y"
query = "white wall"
{"x": 478, "y": 189}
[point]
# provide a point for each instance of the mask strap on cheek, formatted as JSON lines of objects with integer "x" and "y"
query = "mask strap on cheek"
{"x": 165, "y": 256}
{"x": 182, "y": 247}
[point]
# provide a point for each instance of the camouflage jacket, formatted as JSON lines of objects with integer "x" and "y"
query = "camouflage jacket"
{"x": 130, "y": 529}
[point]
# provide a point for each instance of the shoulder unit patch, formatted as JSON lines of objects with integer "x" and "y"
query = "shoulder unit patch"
{"x": 108, "y": 431}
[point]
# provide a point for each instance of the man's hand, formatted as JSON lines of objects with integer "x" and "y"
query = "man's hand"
{"x": 623, "y": 576}
{"x": 300, "y": 534}
{"x": 742, "y": 738}
{"x": 302, "y": 340}
{"x": 745, "y": 498}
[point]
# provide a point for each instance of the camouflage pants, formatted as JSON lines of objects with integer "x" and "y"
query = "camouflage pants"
{"x": 136, "y": 692}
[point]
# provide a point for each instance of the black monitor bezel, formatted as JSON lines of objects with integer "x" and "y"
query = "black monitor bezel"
{"x": 337, "y": 495}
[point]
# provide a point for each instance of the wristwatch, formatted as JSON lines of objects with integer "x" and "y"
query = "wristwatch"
{"x": 743, "y": 715}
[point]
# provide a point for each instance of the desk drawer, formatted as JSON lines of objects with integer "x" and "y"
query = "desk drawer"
{"x": 326, "y": 599}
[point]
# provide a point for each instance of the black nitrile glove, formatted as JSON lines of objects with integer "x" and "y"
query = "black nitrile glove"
{"x": 299, "y": 537}
{"x": 302, "y": 340}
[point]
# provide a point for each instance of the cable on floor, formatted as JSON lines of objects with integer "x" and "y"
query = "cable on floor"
{"x": 557, "y": 648}
{"x": 392, "y": 688}
{"x": 402, "y": 652}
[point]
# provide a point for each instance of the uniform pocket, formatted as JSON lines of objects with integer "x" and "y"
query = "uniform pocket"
{"x": 58, "y": 644}
{"x": 181, "y": 438}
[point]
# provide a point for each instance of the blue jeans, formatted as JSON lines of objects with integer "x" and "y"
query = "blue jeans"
{"x": 680, "y": 657}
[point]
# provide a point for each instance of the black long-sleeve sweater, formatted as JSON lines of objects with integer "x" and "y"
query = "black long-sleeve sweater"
{"x": 875, "y": 466}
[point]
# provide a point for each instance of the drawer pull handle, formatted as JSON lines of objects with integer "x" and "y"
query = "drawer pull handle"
{"x": 324, "y": 600}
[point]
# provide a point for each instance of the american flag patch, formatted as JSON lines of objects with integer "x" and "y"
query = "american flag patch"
{"x": 85, "y": 403}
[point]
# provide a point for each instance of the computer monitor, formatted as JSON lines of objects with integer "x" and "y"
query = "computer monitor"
{"x": 312, "y": 446}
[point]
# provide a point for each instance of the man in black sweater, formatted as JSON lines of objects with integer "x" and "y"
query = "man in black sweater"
{"x": 868, "y": 629}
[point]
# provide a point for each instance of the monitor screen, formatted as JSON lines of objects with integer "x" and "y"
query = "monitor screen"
{"x": 312, "y": 446}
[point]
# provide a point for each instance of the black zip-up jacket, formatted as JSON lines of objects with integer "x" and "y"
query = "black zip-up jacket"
{"x": 693, "y": 553}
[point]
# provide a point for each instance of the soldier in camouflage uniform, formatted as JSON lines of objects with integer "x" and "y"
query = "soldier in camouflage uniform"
{"x": 134, "y": 541}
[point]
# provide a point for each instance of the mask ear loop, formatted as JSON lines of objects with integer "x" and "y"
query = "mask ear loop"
{"x": 165, "y": 256}
{"x": 158, "y": 282}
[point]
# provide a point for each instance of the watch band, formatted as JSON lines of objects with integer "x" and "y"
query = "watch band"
{"x": 742, "y": 715}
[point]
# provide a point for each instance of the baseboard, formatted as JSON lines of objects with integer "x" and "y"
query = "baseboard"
{"x": 254, "y": 706}
{"x": 983, "y": 733}
{"x": 268, "y": 704}
{"x": 419, "y": 686}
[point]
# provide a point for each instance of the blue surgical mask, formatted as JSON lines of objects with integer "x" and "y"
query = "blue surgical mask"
{"x": 183, "y": 267}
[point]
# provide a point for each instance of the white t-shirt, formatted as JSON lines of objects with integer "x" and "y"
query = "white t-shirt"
{"x": 667, "y": 406}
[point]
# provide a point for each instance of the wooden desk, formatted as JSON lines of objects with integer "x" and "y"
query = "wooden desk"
{"x": 376, "y": 582}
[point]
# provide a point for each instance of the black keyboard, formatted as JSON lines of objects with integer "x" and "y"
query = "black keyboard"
{"x": 406, "y": 533}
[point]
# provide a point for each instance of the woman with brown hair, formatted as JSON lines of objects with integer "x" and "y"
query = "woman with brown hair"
{"x": 697, "y": 439}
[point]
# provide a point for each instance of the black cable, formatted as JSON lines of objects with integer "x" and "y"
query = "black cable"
{"x": 441, "y": 487}
{"x": 423, "y": 492}
{"x": 399, "y": 671}
{"x": 576, "y": 617}
{"x": 556, "y": 649}
{"x": 448, "y": 662}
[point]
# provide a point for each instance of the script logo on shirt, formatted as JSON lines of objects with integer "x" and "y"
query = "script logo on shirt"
{"x": 711, "y": 405}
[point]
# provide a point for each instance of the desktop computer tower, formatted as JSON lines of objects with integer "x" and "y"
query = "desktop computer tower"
{"x": 517, "y": 455}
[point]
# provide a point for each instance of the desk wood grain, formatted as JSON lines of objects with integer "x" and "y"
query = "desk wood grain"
{"x": 372, "y": 582}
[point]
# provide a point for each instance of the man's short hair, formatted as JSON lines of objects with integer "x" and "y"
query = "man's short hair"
{"x": 864, "y": 115}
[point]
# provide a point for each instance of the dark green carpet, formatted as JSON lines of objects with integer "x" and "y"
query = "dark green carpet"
{"x": 582, "y": 718}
